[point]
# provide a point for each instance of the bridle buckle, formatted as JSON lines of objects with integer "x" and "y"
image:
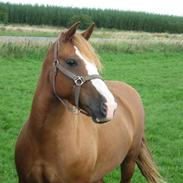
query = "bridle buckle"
{"x": 78, "y": 80}
{"x": 56, "y": 62}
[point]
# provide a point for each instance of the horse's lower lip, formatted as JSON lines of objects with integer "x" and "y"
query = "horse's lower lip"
{"x": 94, "y": 117}
{"x": 100, "y": 121}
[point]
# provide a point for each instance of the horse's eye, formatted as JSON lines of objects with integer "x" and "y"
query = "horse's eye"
{"x": 71, "y": 62}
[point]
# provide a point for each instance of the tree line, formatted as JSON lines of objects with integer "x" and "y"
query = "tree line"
{"x": 64, "y": 16}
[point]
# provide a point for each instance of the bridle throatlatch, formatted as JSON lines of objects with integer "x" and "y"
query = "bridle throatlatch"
{"x": 77, "y": 79}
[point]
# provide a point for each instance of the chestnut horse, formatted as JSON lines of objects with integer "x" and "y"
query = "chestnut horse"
{"x": 61, "y": 145}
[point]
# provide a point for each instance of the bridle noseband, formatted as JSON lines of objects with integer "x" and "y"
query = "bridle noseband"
{"x": 77, "y": 79}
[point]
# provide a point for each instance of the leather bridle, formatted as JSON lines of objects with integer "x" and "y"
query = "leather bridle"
{"x": 77, "y": 79}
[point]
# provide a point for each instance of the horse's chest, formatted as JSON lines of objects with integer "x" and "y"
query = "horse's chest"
{"x": 68, "y": 161}
{"x": 63, "y": 168}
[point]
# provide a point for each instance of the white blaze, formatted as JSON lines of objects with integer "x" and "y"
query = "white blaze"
{"x": 100, "y": 86}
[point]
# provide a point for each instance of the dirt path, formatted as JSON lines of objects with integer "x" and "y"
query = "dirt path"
{"x": 26, "y": 39}
{"x": 42, "y": 40}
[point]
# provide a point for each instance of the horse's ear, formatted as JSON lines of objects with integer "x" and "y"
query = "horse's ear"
{"x": 67, "y": 35}
{"x": 87, "y": 33}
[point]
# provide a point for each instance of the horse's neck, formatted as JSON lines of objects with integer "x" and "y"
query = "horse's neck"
{"x": 48, "y": 115}
{"x": 44, "y": 102}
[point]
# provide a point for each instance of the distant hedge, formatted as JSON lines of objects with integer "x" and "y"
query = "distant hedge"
{"x": 61, "y": 16}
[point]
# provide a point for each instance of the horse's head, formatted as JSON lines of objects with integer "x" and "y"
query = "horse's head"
{"x": 77, "y": 77}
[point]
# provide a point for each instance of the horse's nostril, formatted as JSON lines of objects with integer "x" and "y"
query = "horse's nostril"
{"x": 103, "y": 108}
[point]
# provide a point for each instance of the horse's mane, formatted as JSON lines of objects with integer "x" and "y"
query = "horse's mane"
{"x": 86, "y": 49}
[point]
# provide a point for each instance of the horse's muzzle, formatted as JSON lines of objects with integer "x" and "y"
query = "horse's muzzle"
{"x": 101, "y": 112}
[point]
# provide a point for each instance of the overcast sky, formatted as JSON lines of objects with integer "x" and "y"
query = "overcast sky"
{"x": 170, "y": 7}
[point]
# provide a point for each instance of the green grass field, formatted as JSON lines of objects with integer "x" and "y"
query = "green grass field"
{"x": 156, "y": 75}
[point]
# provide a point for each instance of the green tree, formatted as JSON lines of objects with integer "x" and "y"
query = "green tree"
{"x": 3, "y": 13}
{"x": 85, "y": 20}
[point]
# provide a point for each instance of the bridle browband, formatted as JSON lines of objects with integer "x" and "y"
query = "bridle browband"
{"x": 77, "y": 79}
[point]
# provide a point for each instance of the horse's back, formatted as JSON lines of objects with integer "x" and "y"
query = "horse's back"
{"x": 130, "y": 106}
{"x": 128, "y": 98}
{"x": 131, "y": 110}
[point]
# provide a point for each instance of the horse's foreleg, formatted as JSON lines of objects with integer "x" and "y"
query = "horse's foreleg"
{"x": 127, "y": 170}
